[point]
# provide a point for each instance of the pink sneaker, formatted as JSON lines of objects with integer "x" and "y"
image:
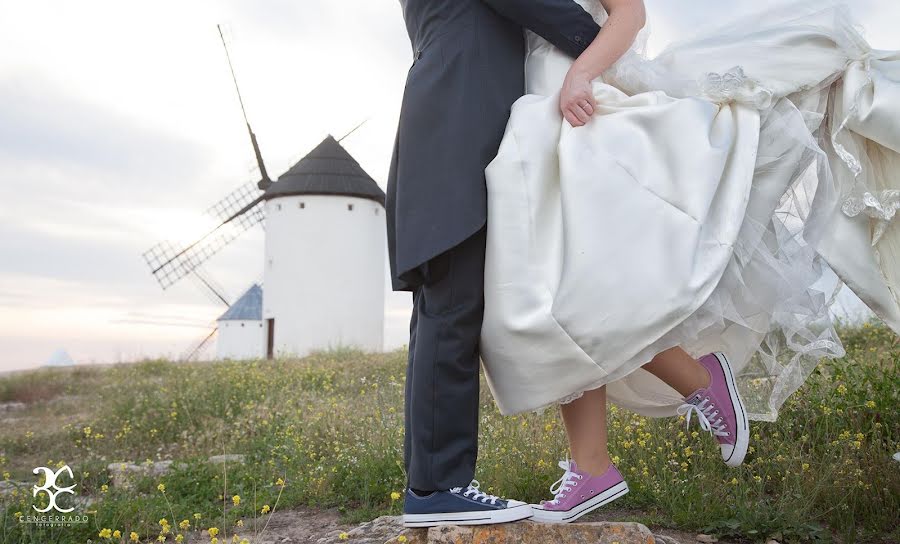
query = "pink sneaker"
{"x": 720, "y": 410}
{"x": 577, "y": 493}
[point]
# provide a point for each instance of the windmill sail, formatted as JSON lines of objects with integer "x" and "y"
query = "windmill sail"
{"x": 238, "y": 211}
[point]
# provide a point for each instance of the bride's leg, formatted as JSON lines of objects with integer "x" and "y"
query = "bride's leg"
{"x": 585, "y": 420}
{"x": 678, "y": 369}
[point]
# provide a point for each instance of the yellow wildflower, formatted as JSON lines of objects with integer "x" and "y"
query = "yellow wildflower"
{"x": 236, "y": 500}
{"x": 161, "y": 488}
{"x": 870, "y": 404}
{"x": 395, "y": 496}
{"x": 105, "y": 533}
{"x": 401, "y": 538}
{"x": 265, "y": 509}
{"x": 117, "y": 534}
{"x": 134, "y": 537}
{"x": 213, "y": 531}
{"x": 184, "y": 525}
{"x": 343, "y": 536}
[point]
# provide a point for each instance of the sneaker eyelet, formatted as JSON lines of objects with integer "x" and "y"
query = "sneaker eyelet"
{"x": 592, "y": 491}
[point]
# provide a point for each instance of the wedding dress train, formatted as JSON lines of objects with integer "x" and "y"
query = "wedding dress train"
{"x": 720, "y": 195}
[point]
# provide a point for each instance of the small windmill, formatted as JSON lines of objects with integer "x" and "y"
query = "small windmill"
{"x": 337, "y": 253}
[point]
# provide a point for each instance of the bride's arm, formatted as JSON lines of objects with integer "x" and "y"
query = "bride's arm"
{"x": 626, "y": 18}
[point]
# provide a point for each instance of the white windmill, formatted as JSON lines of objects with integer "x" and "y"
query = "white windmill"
{"x": 324, "y": 262}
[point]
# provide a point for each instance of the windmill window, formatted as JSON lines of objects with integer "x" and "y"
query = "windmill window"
{"x": 350, "y": 207}
{"x": 302, "y": 205}
{"x": 278, "y": 207}
{"x": 242, "y": 324}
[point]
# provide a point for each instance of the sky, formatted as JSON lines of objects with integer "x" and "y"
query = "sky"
{"x": 119, "y": 125}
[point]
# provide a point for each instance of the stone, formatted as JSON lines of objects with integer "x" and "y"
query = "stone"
{"x": 706, "y": 538}
{"x": 9, "y": 488}
{"x": 529, "y": 532}
{"x": 232, "y": 457}
{"x": 665, "y": 539}
{"x": 11, "y": 406}
{"x": 125, "y": 474}
{"x": 377, "y": 531}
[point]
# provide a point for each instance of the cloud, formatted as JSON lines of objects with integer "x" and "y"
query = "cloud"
{"x": 41, "y": 123}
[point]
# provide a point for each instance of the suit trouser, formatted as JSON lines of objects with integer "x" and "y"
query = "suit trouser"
{"x": 442, "y": 378}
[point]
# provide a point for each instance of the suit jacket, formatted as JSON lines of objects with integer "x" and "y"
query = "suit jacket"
{"x": 468, "y": 69}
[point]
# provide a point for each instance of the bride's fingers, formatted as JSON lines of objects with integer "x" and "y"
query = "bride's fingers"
{"x": 575, "y": 116}
{"x": 572, "y": 118}
{"x": 586, "y": 106}
{"x": 581, "y": 113}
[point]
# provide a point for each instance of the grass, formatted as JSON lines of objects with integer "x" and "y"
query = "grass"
{"x": 327, "y": 430}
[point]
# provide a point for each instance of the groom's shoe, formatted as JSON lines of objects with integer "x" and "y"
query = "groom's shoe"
{"x": 720, "y": 410}
{"x": 460, "y": 506}
{"x": 578, "y": 493}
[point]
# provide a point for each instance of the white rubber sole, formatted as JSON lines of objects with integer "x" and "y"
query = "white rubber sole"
{"x": 486, "y": 517}
{"x": 742, "y": 437}
{"x": 568, "y": 516}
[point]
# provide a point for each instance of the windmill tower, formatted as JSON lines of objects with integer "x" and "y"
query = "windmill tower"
{"x": 323, "y": 282}
{"x": 324, "y": 257}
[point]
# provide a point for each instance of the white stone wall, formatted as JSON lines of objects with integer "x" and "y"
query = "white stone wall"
{"x": 324, "y": 281}
{"x": 240, "y": 339}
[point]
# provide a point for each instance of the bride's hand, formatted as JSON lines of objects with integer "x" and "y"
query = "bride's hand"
{"x": 576, "y": 99}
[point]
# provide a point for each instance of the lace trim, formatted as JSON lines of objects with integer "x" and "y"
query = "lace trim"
{"x": 881, "y": 207}
{"x": 735, "y": 86}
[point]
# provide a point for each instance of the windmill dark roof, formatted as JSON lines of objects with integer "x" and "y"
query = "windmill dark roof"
{"x": 247, "y": 307}
{"x": 326, "y": 170}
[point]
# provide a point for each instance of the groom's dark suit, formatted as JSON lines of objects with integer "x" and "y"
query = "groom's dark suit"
{"x": 468, "y": 69}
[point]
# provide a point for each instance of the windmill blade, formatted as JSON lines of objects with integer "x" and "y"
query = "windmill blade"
{"x": 214, "y": 291}
{"x": 233, "y": 202}
{"x": 197, "y": 348}
{"x": 265, "y": 182}
{"x": 169, "y": 263}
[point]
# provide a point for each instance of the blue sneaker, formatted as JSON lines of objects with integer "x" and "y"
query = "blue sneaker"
{"x": 460, "y": 506}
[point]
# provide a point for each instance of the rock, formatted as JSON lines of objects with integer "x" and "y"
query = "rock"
{"x": 11, "y": 488}
{"x": 11, "y": 406}
{"x": 125, "y": 474}
{"x": 376, "y": 531}
{"x": 705, "y": 538}
{"x": 233, "y": 457}
{"x": 529, "y": 532}
{"x": 665, "y": 539}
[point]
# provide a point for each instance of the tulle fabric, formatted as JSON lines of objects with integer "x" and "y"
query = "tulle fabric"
{"x": 821, "y": 210}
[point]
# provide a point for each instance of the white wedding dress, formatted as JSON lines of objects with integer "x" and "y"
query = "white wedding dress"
{"x": 720, "y": 195}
